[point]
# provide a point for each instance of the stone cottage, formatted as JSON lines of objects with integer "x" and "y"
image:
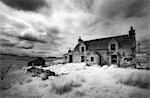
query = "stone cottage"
{"x": 111, "y": 50}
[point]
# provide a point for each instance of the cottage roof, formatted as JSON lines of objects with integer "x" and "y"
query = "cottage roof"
{"x": 124, "y": 42}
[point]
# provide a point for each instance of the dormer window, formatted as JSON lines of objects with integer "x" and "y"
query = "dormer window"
{"x": 113, "y": 47}
{"x": 82, "y": 49}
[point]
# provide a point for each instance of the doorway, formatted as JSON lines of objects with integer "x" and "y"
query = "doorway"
{"x": 82, "y": 58}
{"x": 113, "y": 59}
{"x": 70, "y": 58}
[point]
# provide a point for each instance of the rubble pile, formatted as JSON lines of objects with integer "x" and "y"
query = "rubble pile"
{"x": 44, "y": 74}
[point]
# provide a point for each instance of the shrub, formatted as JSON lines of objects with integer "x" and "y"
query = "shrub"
{"x": 141, "y": 80}
{"x": 4, "y": 71}
{"x": 5, "y": 86}
{"x": 124, "y": 65}
{"x": 80, "y": 93}
{"x": 104, "y": 63}
{"x": 29, "y": 80}
{"x": 65, "y": 88}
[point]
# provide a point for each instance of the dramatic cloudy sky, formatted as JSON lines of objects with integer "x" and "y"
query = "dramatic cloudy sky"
{"x": 51, "y": 27}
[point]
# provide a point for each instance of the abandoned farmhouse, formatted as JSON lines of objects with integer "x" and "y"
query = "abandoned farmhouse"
{"x": 111, "y": 50}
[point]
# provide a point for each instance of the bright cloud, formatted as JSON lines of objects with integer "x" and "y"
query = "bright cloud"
{"x": 50, "y": 27}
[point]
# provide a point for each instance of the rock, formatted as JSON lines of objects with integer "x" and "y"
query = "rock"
{"x": 35, "y": 70}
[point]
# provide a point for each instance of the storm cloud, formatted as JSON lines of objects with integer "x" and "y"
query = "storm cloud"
{"x": 30, "y": 46}
{"x": 7, "y": 44}
{"x": 51, "y": 27}
{"x": 125, "y": 8}
{"x": 27, "y": 5}
{"x": 31, "y": 38}
{"x": 113, "y": 17}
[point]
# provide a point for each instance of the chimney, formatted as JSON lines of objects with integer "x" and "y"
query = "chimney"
{"x": 69, "y": 50}
{"x": 80, "y": 40}
{"x": 132, "y": 36}
{"x": 131, "y": 32}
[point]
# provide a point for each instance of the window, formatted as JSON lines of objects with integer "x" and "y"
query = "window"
{"x": 92, "y": 59}
{"x": 70, "y": 58}
{"x": 113, "y": 47}
{"x": 82, "y": 59}
{"x": 113, "y": 59}
{"x": 82, "y": 49}
{"x": 65, "y": 57}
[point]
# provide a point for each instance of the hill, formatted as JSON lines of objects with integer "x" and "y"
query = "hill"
{"x": 9, "y": 59}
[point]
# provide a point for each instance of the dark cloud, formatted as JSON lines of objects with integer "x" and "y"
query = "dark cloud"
{"x": 137, "y": 8}
{"x": 111, "y": 12}
{"x": 8, "y": 34}
{"x": 26, "y": 37}
{"x": 31, "y": 38}
{"x": 53, "y": 35}
{"x": 4, "y": 40}
{"x": 18, "y": 44}
{"x": 96, "y": 17}
{"x": 26, "y": 47}
{"x": 14, "y": 45}
{"x": 125, "y": 8}
{"x": 8, "y": 44}
{"x": 54, "y": 30}
{"x": 27, "y": 5}
{"x": 40, "y": 52}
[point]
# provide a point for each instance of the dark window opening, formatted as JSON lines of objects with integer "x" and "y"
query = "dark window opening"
{"x": 92, "y": 59}
{"x": 113, "y": 47}
{"x": 65, "y": 57}
{"x": 70, "y": 58}
{"x": 114, "y": 59}
{"x": 123, "y": 54}
{"x": 82, "y": 59}
{"x": 82, "y": 49}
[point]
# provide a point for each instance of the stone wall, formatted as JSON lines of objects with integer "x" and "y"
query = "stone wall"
{"x": 95, "y": 57}
{"x": 76, "y": 57}
{"x": 103, "y": 56}
{"x": 100, "y": 56}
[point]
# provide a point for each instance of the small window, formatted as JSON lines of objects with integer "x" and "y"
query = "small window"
{"x": 82, "y": 49}
{"x": 92, "y": 59}
{"x": 113, "y": 47}
{"x": 65, "y": 57}
{"x": 82, "y": 59}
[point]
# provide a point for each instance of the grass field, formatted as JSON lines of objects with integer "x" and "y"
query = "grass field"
{"x": 79, "y": 81}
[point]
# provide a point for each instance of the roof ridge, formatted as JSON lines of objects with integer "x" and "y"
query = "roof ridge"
{"x": 106, "y": 38}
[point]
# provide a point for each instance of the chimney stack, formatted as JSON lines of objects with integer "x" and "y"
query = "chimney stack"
{"x": 132, "y": 32}
{"x": 80, "y": 40}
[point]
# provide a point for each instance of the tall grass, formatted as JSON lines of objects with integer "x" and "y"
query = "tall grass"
{"x": 64, "y": 88}
{"x": 138, "y": 79}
